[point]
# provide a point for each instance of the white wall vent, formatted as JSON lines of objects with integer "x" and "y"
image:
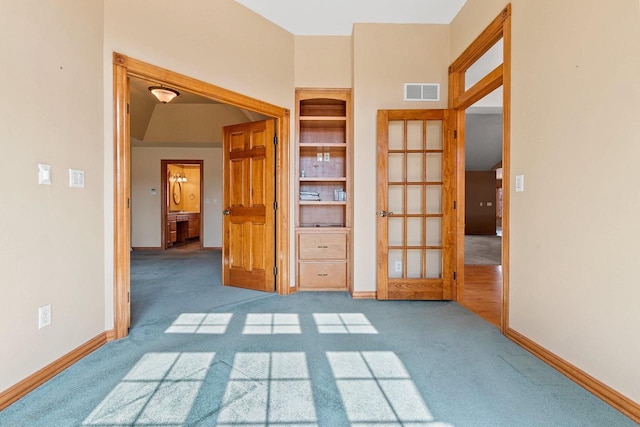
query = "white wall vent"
{"x": 422, "y": 91}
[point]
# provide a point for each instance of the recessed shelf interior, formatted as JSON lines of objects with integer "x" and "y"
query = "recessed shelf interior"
{"x": 322, "y": 216}
{"x": 323, "y": 107}
{"x": 312, "y": 167}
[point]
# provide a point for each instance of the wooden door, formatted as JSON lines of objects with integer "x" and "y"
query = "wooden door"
{"x": 415, "y": 205}
{"x": 248, "y": 221}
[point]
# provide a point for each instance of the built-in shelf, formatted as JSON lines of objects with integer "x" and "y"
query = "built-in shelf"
{"x": 323, "y": 166}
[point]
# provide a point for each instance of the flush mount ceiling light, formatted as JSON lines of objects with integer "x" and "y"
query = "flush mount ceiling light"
{"x": 164, "y": 94}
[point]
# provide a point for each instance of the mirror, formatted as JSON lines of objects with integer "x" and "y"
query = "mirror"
{"x": 177, "y": 192}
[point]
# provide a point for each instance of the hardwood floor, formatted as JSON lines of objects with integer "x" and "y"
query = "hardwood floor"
{"x": 483, "y": 291}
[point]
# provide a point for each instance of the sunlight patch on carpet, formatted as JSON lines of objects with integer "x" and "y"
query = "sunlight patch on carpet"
{"x": 200, "y": 323}
{"x": 343, "y": 323}
{"x": 271, "y": 324}
{"x": 159, "y": 390}
{"x": 376, "y": 388}
{"x": 268, "y": 389}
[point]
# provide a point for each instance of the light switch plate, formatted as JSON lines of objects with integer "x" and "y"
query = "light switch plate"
{"x": 76, "y": 178}
{"x": 319, "y": 157}
{"x": 44, "y": 174}
{"x": 519, "y": 183}
{"x": 327, "y": 157}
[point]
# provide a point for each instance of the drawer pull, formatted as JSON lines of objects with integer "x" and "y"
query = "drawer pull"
{"x": 323, "y": 247}
{"x": 323, "y": 274}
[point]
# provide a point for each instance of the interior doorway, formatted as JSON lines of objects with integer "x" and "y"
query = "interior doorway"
{"x": 124, "y": 69}
{"x": 464, "y": 93}
{"x": 182, "y": 190}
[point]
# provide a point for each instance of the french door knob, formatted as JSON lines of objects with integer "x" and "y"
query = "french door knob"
{"x": 384, "y": 213}
{"x": 226, "y": 212}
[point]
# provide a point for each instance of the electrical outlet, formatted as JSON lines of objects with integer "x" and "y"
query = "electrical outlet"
{"x": 319, "y": 157}
{"x": 327, "y": 157}
{"x": 398, "y": 266}
{"x": 44, "y": 316}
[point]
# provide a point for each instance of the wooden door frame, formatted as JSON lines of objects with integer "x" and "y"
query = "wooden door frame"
{"x": 461, "y": 99}
{"x": 125, "y": 67}
{"x": 164, "y": 165}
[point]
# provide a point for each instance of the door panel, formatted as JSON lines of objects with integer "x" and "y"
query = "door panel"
{"x": 415, "y": 234}
{"x": 248, "y": 246}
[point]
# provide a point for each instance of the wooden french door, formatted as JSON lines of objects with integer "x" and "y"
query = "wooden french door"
{"x": 248, "y": 200}
{"x": 415, "y": 205}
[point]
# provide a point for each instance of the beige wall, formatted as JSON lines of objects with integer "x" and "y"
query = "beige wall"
{"x": 145, "y": 207}
{"x": 323, "y": 61}
{"x": 385, "y": 57}
{"x": 574, "y": 131}
{"x": 53, "y": 245}
{"x": 219, "y": 42}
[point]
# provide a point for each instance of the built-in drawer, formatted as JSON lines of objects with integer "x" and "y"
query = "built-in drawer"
{"x": 172, "y": 226}
{"x": 173, "y": 237}
{"x": 312, "y": 246}
{"x": 322, "y": 275}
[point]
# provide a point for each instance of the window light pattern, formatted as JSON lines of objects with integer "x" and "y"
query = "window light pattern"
{"x": 268, "y": 389}
{"x": 271, "y": 324}
{"x": 392, "y": 398}
{"x": 158, "y": 381}
{"x": 200, "y": 323}
{"x": 343, "y": 323}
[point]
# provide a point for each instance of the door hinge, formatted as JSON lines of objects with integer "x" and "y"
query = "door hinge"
{"x": 275, "y": 271}
{"x": 128, "y": 202}
{"x": 275, "y": 139}
{"x": 128, "y": 297}
{"x": 127, "y": 108}
{"x": 455, "y": 134}
{"x": 455, "y": 204}
{"x": 275, "y": 206}
{"x": 455, "y": 275}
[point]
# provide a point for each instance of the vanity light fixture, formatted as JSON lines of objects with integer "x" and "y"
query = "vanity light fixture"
{"x": 164, "y": 94}
{"x": 179, "y": 177}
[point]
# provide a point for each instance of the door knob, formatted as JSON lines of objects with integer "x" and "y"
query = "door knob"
{"x": 384, "y": 213}
{"x": 226, "y": 212}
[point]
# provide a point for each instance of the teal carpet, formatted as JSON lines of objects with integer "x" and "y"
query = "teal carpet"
{"x": 203, "y": 355}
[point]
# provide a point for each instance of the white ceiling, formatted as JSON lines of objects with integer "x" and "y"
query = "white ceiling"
{"x": 336, "y": 17}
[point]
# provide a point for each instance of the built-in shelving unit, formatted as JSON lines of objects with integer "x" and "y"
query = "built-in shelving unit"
{"x": 323, "y": 185}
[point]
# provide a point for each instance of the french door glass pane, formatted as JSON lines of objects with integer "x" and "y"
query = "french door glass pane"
{"x": 414, "y": 167}
{"x": 434, "y": 263}
{"x": 434, "y": 199}
{"x": 395, "y": 256}
{"x": 434, "y": 135}
{"x": 414, "y": 135}
{"x": 414, "y": 231}
{"x": 396, "y": 135}
{"x": 434, "y": 231}
{"x": 396, "y": 167}
{"x": 396, "y": 232}
{"x": 414, "y": 264}
{"x": 414, "y": 199}
{"x": 396, "y": 199}
{"x": 434, "y": 167}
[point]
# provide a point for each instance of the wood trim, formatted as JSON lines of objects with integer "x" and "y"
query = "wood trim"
{"x": 111, "y": 335}
{"x": 459, "y": 100}
{"x": 506, "y": 168}
{"x": 487, "y": 38}
{"x": 475, "y": 93}
{"x": 212, "y": 248}
{"x": 122, "y": 194}
{"x": 382, "y": 226}
{"x": 364, "y": 295}
{"x": 124, "y": 67}
{"x": 146, "y": 248}
{"x": 38, "y": 378}
{"x": 598, "y": 388}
